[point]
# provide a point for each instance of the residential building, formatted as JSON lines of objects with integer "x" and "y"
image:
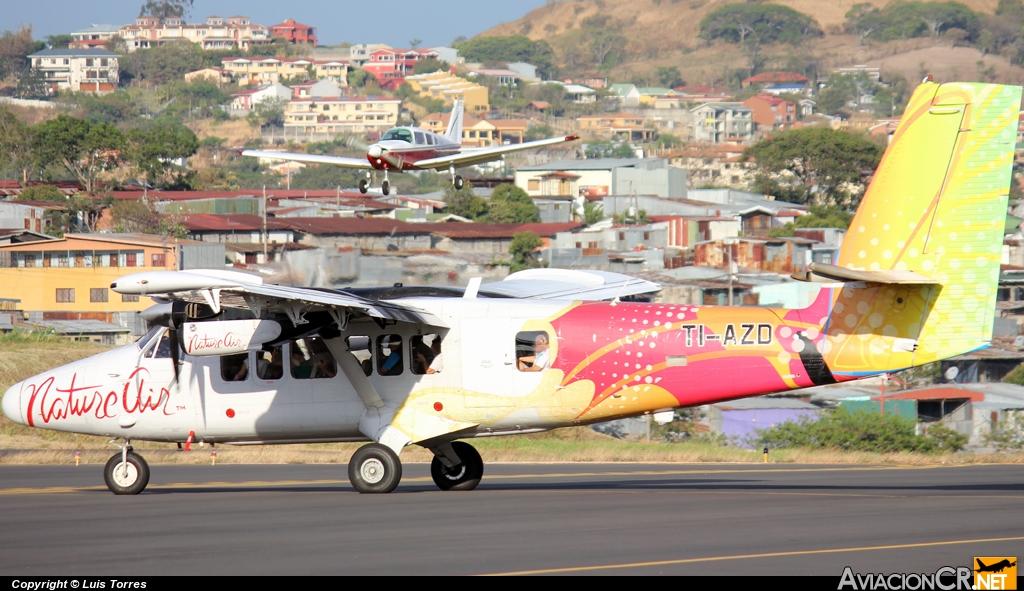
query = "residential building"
{"x": 247, "y": 100}
{"x": 504, "y": 77}
{"x": 525, "y": 71}
{"x": 449, "y": 88}
{"x": 293, "y": 32}
{"x": 603, "y": 176}
{"x": 69, "y": 278}
{"x": 617, "y": 126}
{"x": 685, "y": 231}
{"x": 771, "y": 112}
{"x": 324, "y": 88}
{"x": 778, "y": 255}
{"x": 791, "y": 88}
{"x": 249, "y": 71}
{"x": 26, "y": 215}
{"x": 716, "y": 123}
{"x": 390, "y": 66}
{"x": 650, "y": 94}
{"x": 873, "y": 73}
{"x": 243, "y": 228}
{"x": 234, "y": 32}
{"x": 359, "y": 53}
{"x": 368, "y": 234}
{"x": 478, "y": 238}
{"x": 627, "y": 94}
{"x": 94, "y": 36}
{"x": 773, "y": 78}
{"x": 341, "y": 114}
{"x": 218, "y": 76}
{"x": 715, "y": 164}
{"x": 480, "y": 132}
{"x": 80, "y": 70}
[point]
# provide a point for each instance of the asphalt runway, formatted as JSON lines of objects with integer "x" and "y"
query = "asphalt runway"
{"x": 634, "y": 519}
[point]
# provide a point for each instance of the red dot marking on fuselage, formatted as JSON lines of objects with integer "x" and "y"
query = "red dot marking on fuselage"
{"x": 230, "y": 412}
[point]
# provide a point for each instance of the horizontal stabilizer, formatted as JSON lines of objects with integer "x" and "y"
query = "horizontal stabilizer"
{"x": 822, "y": 273}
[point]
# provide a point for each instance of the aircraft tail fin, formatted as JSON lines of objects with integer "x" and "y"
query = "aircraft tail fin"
{"x": 454, "y": 131}
{"x": 935, "y": 210}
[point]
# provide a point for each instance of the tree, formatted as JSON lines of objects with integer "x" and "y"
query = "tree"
{"x": 815, "y": 165}
{"x": 463, "y": 202}
{"x": 42, "y": 193}
{"x": 511, "y": 205}
{"x": 136, "y": 216}
{"x": 32, "y": 85}
{"x": 58, "y": 41}
{"x": 167, "y": 62}
{"x": 820, "y": 216}
{"x": 838, "y": 93}
{"x": 593, "y": 212}
{"x": 512, "y": 48}
{"x": 429, "y": 66}
{"x": 165, "y": 8}
{"x": 15, "y": 47}
{"x": 765, "y": 23}
{"x": 16, "y": 143}
{"x": 523, "y": 251}
{"x": 414, "y": 43}
{"x": 862, "y": 20}
{"x": 358, "y": 78}
{"x": 271, "y": 111}
{"x": 669, "y": 76}
{"x": 154, "y": 149}
{"x": 324, "y": 177}
{"x": 85, "y": 150}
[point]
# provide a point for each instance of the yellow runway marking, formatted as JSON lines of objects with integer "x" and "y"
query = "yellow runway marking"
{"x": 577, "y": 569}
{"x": 591, "y": 474}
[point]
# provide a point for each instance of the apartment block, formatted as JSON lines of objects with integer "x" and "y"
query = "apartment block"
{"x": 341, "y": 114}
{"x": 449, "y": 88}
{"x": 234, "y": 32}
{"x": 85, "y": 70}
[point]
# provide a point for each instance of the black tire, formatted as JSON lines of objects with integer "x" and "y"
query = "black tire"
{"x": 131, "y": 484}
{"x": 374, "y": 468}
{"x": 385, "y": 187}
{"x": 459, "y": 182}
{"x": 465, "y": 476}
{"x": 364, "y": 186}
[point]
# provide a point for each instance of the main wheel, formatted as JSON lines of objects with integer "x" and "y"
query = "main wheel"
{"x": 385, "y": 187}
{"x": 465, "y": 476}
{"x": 459, "y": 182}
{"x": 364, "y": 186}
{"x": 374, "y": 468}
{"x": 129, "y": 478}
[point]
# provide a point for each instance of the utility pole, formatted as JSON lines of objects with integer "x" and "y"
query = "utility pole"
{"x": 728, "y": 248}
{"x": 265, "y": 261}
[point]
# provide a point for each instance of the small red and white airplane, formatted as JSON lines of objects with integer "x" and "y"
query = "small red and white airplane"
{"x": 411, "y": 148}
{"x": 232, "y": 360}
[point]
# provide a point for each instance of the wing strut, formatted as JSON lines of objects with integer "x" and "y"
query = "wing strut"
{"x": 354, "y": 372}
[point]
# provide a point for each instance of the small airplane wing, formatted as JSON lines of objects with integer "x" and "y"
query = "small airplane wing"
{"x": 231, "y": 289}
{"x": 568, "y": 284}
{"x": 479, "y": 156}
{"x": 312, "y": 158}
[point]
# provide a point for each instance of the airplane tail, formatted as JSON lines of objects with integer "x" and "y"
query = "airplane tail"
{"x": 927, "y": 237}
{"x": 454, "y": 131}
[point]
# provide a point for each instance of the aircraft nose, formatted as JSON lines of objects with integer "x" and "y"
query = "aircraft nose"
{"x": 375, "y": 151}
{"x": 11, "y": 404}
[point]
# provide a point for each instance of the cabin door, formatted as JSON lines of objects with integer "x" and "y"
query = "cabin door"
{"x": 488, "y": 362}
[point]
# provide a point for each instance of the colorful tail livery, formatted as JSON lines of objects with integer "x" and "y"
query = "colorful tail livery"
{"x": 915, "y": 282}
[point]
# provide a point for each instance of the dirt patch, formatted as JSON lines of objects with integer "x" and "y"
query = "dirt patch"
{"x": 235, "y": 131}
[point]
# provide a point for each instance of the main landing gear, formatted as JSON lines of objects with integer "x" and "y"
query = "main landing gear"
{"x": 126, "y": 473}
{"x": 457, "y": 180}
{"x": 385, "y": 186}
{"x": 375, "y": 468}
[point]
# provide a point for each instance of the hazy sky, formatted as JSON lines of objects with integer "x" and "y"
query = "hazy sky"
{"x": 394, "y": 22}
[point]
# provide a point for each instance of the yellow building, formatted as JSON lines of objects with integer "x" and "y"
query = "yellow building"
{"x": 70, "y": 277}
{"x": 449, "y": 88}
{"x": 341, "y": 114}
{"x": 480, "y": 133}
{"x": 247, "y": 71}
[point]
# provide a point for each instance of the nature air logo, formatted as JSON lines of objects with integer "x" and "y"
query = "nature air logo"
{"x": 995, "y": 572}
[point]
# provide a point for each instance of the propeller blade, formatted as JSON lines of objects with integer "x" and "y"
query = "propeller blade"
{"x": 172, "y": 340}
{"x": 357, "y": 144}
{"x": 396, "y": 163}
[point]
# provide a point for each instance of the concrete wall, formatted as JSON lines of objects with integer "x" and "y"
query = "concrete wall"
{"x": 370, "y": 242}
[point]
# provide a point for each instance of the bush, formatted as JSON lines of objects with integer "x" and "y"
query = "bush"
{"x": 863, "y": 430}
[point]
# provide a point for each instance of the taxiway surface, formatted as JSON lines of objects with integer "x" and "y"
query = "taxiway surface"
{"x": 552, "y": 518}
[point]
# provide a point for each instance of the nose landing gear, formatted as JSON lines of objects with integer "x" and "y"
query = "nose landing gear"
{"x": 126, "y": 473}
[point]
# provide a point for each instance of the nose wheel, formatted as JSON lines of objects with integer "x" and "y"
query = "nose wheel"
{"x": 385, "y": 187}
{"x": 126, "y": 473}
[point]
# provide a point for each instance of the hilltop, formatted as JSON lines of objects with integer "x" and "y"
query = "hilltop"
{"x": 665, "y": 33}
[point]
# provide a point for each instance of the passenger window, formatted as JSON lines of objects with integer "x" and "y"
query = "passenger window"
{"x": 310, "y": 359}
{"x": 362, "y": 353}
{"x": 234, "y": 368}
{"x": 419, "y": 139}
{"x": 269, "y": 364}
{"x": 426, "y": 354}
{"x": 532, "y": 351}
{"x": 389, "y": 355}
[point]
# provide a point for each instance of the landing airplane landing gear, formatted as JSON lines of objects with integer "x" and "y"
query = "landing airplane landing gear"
{"x": 374, "y": 468}
{"x": 457, "y": 180}
{"x": 126, "y": 473}
{"x": 364, "y": 185}
{"x": 385, "y": 187}
{"x": 463, "y": 476}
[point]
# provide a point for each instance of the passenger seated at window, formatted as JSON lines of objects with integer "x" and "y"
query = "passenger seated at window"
{"x": 234, "y": 368}
{"x": 318, "y": 364}
{"x": 272, "y": 368}
{"x": 437, "y": 364}
{"x": 422, "y": 353}
{"x": 540, "y": 359}
{"x": 389, "y": 355}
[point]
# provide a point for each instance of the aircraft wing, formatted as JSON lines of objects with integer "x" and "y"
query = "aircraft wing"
{"x": 469, "y": 157}
{"x": 232, "y": 289}
{"x": 312, "y": 158}
{"x": 568, "y": 284}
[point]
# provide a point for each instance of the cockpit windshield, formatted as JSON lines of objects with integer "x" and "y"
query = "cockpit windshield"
{"x": 398, "y": 133}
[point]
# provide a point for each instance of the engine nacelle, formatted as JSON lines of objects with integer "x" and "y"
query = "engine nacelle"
{"x": 227, "y": 337}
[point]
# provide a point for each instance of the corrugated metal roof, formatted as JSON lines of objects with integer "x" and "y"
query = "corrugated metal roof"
{"x": 74, "y": 327}
{"x": 763, "y": 402}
